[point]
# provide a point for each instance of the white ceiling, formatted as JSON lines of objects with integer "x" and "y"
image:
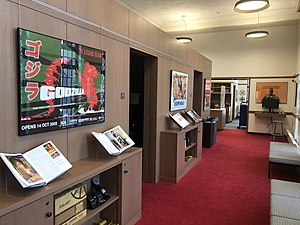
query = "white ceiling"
{"x": 210, "y": 15}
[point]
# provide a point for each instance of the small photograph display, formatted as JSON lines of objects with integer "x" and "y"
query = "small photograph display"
{"x": 194, "y": 116}
{"x": 38, "y": 166}
{"x": 179, "y": 120}
{"x": 61, "y": 83}
{"x": 207, "y": 87}
{"x": 179, "y": 87}
{"x": 115, "y": 140}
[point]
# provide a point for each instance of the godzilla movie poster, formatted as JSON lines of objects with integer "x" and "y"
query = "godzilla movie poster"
{"x": 61, "y": 84}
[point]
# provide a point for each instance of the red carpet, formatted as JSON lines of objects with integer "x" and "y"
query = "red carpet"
{"x": 229, "y": 186}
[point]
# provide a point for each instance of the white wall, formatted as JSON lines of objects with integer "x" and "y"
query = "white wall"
{"x": 298, "y": 59}
{"x": 233, "y": 55}
{"x": 263, "y": 125}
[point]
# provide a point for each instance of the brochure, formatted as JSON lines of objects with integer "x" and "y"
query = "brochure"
{"x": 115, "y": 140}
{"x": 179, "y": 120}
{"x": 38, "y": 166}
{"x": 194, "y": 116}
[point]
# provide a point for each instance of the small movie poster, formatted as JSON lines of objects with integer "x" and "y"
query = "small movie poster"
{"x": 179, "y": 87}
{"x": 207, "y": 87}
{"x": 61, "y": 84}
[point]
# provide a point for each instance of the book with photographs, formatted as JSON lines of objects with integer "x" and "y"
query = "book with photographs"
{"x": 194, "y": 116}
{"x": 38, "y": 166}
{"x": 179, "y": 120}
{"x": 115, "y": 141}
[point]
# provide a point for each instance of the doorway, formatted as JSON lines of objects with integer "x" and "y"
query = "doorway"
{"x": 143, "y": 108}
{"x": 197, "y": 98}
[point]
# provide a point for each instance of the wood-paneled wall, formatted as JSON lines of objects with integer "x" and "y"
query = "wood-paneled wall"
{"x": 101, "y": 24}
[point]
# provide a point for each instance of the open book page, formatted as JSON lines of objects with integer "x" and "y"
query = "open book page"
{"x": 24, "y": 172}
{"x": 48, "y": 161}
{"x": 180, "y": 120}
{"x": 106, "y": 143}
{"x": 194, "y": 116}
{"x": 115, "y": 140}
{"x": 119, "y": 138}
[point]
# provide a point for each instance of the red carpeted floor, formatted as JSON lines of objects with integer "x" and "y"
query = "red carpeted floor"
{"x": 229, "y": 186}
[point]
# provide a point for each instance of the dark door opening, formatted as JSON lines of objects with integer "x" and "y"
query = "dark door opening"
{"x": 142, "y": 108}
{"x": 197, "y": 98}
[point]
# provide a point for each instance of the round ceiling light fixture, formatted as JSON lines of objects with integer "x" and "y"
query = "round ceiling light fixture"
{"x": 184, "y": 40}
{"x": 250, "y": 6}
{"x": 257, "y": 34}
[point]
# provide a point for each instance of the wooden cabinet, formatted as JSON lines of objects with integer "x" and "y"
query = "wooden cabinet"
{"x": 221, "y": 114}
{"x": 38, "y": 212}
{"x": 180, "y": 150}
{"x": 132, "y": 190}
{"x": 120, "y": 175}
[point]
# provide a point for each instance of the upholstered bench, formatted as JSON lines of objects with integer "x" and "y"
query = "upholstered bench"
{"x": 284, "y": 154}
{"x": 285, "y": 203}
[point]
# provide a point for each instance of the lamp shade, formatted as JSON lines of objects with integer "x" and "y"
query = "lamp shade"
{"x": 250, "y": 6}
{"x": 257, "y": 34}
{"x": 184, "y": 40}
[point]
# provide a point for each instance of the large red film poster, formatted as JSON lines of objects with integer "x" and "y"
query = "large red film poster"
{"x": 61, "y": 83}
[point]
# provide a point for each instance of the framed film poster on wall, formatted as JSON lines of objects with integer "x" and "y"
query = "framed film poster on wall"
{"x": 278, "y": 89}
{"x": 61, "y": 83}
{"x": 207, "y": 87}
{"x": 179, "y": 87}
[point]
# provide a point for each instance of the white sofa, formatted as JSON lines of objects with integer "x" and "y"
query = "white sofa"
{"x": 285, "y": 203}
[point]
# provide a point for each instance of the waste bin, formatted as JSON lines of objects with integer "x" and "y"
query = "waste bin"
{"x": 243, "y": 115}
{"x": 209, "y": 132}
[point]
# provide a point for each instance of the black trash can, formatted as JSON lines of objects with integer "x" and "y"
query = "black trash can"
{"x": 243, "y": 115}
{"x": 209, "y": 132}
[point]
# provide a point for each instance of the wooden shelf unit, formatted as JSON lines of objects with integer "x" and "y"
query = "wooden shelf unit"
{"x": 120, "y": 175}
{"x": 230, "y": 99}
{"x": 180, "y": 150}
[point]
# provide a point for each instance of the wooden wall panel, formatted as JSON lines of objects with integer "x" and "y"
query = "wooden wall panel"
{"x": 163, "y": 103}
{"x": 61, "y": 4}
{"x": 82, "y": 36}
{"x": 8, "y": 97}
{"x": 164, "y": 44}
{"x": 117, "y": 81}
{"x": 42, "y": 23}
{"x": 88, "y": 10}
{"x": 200, "y": 63}
{"x": 142, "y": 31}
{"x": 114, "y": 16}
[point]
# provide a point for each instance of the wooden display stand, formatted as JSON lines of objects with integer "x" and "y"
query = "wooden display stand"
{"x": 120, "y": 175}
{"x": 180, "y": 151}
{"x": 221, "y": 114}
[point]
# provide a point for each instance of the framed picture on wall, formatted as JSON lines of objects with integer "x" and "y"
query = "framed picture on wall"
{"x": 61, "y": 83}
{"x": 269, "y": 89}
{"x": 179, "y": 88}
{"x": 207, "y": 87}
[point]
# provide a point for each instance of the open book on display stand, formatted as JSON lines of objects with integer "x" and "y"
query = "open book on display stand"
{"x": 194, "y": 116}
{"x": 115, "y": 141}
{"x": 38, "y": 166}
{"x": 179, "y": 120}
